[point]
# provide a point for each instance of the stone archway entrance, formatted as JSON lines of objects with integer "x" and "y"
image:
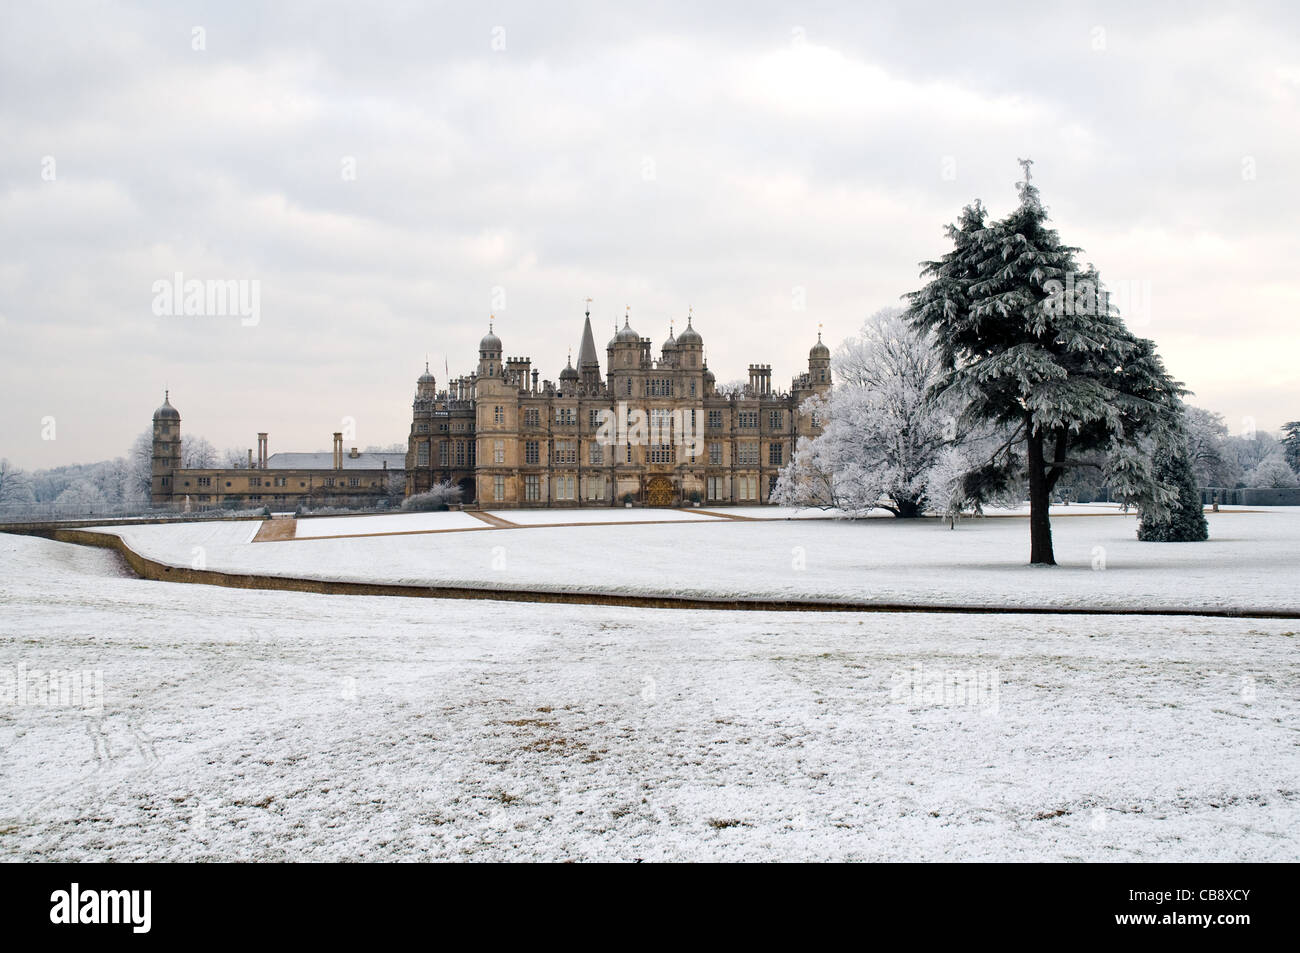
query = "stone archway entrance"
{"x": 659, "y": 491}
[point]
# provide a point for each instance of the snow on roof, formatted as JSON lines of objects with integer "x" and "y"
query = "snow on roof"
{"x": 325, "y": 461}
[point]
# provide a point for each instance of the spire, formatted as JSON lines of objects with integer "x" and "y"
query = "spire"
{"x": 587, "y": 349}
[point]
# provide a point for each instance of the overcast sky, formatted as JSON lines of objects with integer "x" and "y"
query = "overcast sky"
{"x": 775, "y": 166}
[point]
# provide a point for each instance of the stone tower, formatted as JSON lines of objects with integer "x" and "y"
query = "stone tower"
{"x": 166, "y": 451}
{"x": 489, "y": 355}
{"x": 819, "y": 365}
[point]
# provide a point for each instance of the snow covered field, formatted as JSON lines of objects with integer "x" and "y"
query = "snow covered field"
{"x": 386, "y": 523}
{"x": 241, "y": 725}
{"x": 1252, "y": 560}
{"x": 605, "y": 515}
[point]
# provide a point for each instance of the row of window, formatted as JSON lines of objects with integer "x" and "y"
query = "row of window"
{"x": 566, "y": 416}
{"x": 566, "y": 451}
{"x": 748, "y": 419}
{"x": 423, "y": 426}
{"x": 463, "y": 452}
{"x": 256, "y": 481}
{"x": 564, "y": 488}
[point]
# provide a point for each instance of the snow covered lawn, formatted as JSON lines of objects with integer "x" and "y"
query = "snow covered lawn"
{"x": 242, "y": 725}
{"x": 607, "y": 514}
{"x": 1252, "y": 560}
{"x": 385, "y": 523}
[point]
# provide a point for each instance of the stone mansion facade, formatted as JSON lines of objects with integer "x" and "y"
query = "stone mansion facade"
{"x": 650, "y": 431}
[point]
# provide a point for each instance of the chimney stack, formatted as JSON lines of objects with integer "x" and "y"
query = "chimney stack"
{"x": 338, "y": 451}
{"x": 261, "y": 451}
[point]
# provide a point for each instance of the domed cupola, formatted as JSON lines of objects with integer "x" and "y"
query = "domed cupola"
{"x": 490, "y": 341}
{"x": 570, "y": 373}
{"x": 690, "y": 337}
{"x": 819, "y": 351}
{"x": 166, "y": 411}
{"x": 489, "y": 354}
{"x": 626, "y": 335}
{"x": 426, "y": 385}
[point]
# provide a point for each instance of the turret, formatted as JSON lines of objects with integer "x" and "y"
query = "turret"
{"x": 166, "y": 458}
{"x": 427, "y": 385}
{"x": 489, "y": 355}
{"x": 624, "y": 358}
{"x": 690, "y": 346}
{"x": 819, "y": 365}
{"x": 569, "y": 379}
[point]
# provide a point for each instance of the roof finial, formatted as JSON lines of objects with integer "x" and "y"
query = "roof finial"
{"x": 1025, "y": 164}
{"x": 588, "y": 307}
{"x": 819, "y": 331}
{"x": 167, "y": 395}
{"x": 491, "y": 318}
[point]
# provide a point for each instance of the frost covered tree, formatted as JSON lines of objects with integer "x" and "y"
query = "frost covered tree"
{"x": 140, "y": 467}
{"x": 82, "y": 496}
{"x": 1273, "y": 471}
{"x": 1206, "y": 448}
{"x": 1248, "y": 450}
{"x": 438, "y": 497}
{"x": 113, "y": 479}
{"x": 234, "y": 459}
{"x": 1291, "y": 443}
{"x": 887, "y": 428}
{"x": 15, "y": 486}
{"x": 197, "y": 453}
{"x": 1029, "y": 341}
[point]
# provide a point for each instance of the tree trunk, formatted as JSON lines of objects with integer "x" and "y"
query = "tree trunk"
{"x": 1040, "y": 498}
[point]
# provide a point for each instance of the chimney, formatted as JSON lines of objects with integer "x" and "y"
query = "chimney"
{"x": 250, "y": 458}
{"x": 353, "y": 455}
{"x": 338, "y": 451}
{"x": 261, "y": 451}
